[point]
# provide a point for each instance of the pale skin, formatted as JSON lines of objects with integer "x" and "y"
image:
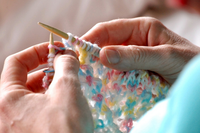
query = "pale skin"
{"x": 63, "y": 109}
{"x": 150, "y": 46}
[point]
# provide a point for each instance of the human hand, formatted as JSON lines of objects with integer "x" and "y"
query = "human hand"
{"x": 151, "y": 46}
{"x": 25, "y": 108}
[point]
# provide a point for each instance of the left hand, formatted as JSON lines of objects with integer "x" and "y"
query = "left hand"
{"x": 24, "y": 108}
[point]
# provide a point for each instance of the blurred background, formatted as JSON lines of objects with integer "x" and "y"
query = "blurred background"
{"x": 19, "y": 29}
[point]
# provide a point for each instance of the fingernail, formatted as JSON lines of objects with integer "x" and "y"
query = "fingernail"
{"x": 113, "y": 56}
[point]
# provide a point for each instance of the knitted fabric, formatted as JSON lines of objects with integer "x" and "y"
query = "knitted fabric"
{"x": 116, "y": 99}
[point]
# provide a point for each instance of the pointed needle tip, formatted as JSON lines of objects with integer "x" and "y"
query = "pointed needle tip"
{"x": 39, "y": 23}
{"x": 51, "y": 50}
{"x": 43, "y": 25}
{"x": 54, "y": 30}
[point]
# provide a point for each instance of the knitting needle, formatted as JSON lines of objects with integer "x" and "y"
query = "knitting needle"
{"x": 54, "y": 30}
{"x": 51, "y": 49}
{"x": 49, "y": 73}
{"x": 65, "y": 36}
{"x": 51, "y": 58}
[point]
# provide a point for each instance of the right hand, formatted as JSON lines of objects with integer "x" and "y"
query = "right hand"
{"x": 151, "y": 46}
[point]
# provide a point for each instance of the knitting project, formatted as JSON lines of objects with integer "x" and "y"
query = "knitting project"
{"x": 116, "y": 99}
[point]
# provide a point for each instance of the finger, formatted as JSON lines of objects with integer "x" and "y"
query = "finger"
{"x": 34, "y": 81}
{"x": 65, "y": 81}
{"x": 127, "y": 58}
{"x": 142, "y": 31}
{"x": 130, "y": 57}
{"x": 18, "y": 65}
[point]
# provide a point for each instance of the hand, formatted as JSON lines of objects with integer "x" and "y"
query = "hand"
{"x": 23, "y": 106}
{"x": 151, "y": 46}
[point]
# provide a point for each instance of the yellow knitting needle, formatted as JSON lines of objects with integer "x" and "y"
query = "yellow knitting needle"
{"x": 54, "y": 30}
{"x": 64, "y": 35}
{"x": 51, "y": 50}
{"x": 58, "y": 32}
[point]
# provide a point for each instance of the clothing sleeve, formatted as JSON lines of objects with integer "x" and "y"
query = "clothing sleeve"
{"x": 179, "y": 112}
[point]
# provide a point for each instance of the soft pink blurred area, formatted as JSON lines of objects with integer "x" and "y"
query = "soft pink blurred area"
{"x": 19, "y": 29}
{"x": 190, "y": 5}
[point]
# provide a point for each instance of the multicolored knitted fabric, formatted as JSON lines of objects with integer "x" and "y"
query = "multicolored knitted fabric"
{"x": 117, "y": 99}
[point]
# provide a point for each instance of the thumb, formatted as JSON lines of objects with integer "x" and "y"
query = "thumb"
{"x": 65, "y": 81}
{"x": 126, "y": 58}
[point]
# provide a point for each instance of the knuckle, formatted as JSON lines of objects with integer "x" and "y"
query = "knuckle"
{"x": 138, "y": 54}
{"x": 99, "y": 25}
{"x": 157, "y": 32}
{"x": 68, "y": 59}
{"x": 155, "y": 23}
{"x": 70, "y": 52}
{"x": 66, "y": 65}
{"x": 170, "y": 49}
{"x": 151, "y": 20}
{"x": 8, "y": 59}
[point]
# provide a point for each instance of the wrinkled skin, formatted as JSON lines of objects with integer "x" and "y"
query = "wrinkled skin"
{"x": 149, "y": 46}
{"x": 24, "y": 108}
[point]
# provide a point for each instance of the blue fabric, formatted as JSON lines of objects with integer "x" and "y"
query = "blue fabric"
{"x": 180, "y": 111}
